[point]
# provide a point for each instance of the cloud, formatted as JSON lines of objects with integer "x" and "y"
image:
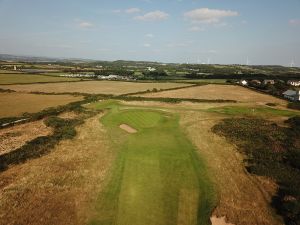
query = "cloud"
{"x": 208, "y": 16}
{"x": 128, "y": 11}
{"x": 117, "y": 11}
{"x": 153, "y": 16}
{"x": 133, "y": 10}
{"x": 147, "y": 45}
{"x": 196, "y": 29}
{"x": 103, "y": 50}
{"x": 85, "y": 24}
{"x": 294, "y": 22}
{"x": 149, "y": 35}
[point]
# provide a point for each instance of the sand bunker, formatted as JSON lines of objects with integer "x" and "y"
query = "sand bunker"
{"x": 219, "y": 221}
{"x": 128, "y": 129}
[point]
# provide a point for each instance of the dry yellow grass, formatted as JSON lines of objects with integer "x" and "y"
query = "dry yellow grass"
{"x": 92, "y": 87}
{"x": 212, "y": 91}
{"x": 61, "y": 187}
{"x": 15, "y": 104}
{"x": 243, "y": 198}
{"x": 15, "y": 78}
{"x": 14, "y": 137}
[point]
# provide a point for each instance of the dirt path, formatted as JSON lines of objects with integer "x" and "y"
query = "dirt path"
{"x": 61, "y": 187}
{"x": 243, "y": 198}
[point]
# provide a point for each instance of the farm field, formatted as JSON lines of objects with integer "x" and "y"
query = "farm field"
{"x": 9, "y": 72}
{"x": 93, "y": 87}
{"x": 15, "y": 78}
{"x": 15, "y": 104}
{"x": 212, "y": 91}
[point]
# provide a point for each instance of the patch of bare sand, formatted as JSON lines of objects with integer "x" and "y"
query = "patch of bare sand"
{"x": 219, "y": 221}
{"x": 12, "y": 138}
{"x": 243, "y": 198}
{"x": 61, "y": 187}
{"x": 128, "y": 128}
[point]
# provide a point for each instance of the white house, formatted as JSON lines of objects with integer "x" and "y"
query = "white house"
{"x": 292, "y": 95}
{"x": 151, "y": 69}
{"x": 295, "y": 83}
{"x": 243, "y": 82}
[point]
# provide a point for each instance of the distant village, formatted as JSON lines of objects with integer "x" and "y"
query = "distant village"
{"x": 288, "y": 89}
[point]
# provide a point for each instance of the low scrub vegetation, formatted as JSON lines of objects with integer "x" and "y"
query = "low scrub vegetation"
{"x": 271, "y": 151}
{"x": 62, "y": 129}
{"x": 294, "y": 105}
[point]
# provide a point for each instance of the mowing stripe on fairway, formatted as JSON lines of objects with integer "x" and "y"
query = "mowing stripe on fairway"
{"x": 158, "y": 178}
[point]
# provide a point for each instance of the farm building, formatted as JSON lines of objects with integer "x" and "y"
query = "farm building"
{"x": 265, "y": 82}
{"x": 292, "y": 95}
{"x": 295, "y": 83}
{"x": 255, "y": 82}
{"x": 243, "y": 82}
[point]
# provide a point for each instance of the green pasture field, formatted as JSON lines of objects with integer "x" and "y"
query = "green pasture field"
{"x": 158, "y": 178}
{"x": 257, "y": 111}
{"x": 31, "y": 78}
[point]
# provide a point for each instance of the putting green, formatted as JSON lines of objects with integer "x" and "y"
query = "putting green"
{"x": 158, "y": 178}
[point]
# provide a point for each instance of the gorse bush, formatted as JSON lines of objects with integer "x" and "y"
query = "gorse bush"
{"x": 271, "y": 151}
{"x": 294, "y": 105}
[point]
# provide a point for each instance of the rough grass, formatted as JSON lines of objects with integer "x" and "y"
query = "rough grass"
{"x": 93, "y": 87}
{"x": 31, "y": 78}
{"x": 271, "y": 151}
{"x": 155, "y": 174}
{"x": 61, "y": 187}
{"x": 242, "y": 198}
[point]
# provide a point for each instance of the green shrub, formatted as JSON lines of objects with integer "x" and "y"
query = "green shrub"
{"x": 271, "y": 104}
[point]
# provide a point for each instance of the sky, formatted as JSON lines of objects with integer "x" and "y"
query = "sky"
{"x": 179, "y": 31}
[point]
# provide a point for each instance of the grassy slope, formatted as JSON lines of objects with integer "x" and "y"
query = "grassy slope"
{"x": 30, "y": 78}
{"x": 158, "y": 178}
